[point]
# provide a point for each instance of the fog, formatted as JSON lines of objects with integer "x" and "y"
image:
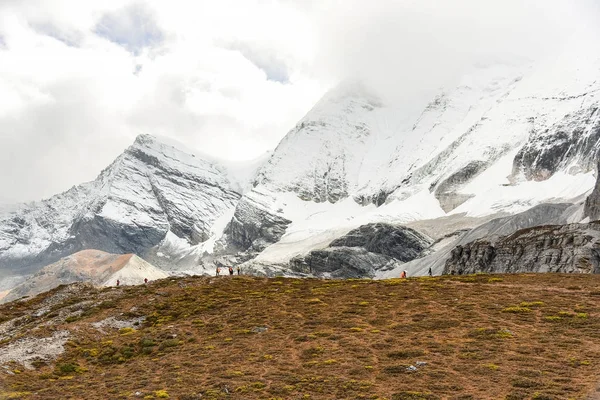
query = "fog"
{"x": 407, "y": 49}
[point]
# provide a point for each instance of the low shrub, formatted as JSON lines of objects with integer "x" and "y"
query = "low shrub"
{"x": 517, "y": 310}
{"x": 414, "y": 396}
{"x": 531, "y": 303}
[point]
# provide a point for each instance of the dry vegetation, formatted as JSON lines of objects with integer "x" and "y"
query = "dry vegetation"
{"x": 481, "y": 337}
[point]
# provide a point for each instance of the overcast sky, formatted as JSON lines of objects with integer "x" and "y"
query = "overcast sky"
{"x": 80, "y": 79}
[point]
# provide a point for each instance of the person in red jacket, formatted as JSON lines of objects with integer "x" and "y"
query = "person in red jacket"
{"x": 403, "y": 275}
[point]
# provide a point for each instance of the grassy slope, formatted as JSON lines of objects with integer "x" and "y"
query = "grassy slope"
{"x": 327, "y": 340}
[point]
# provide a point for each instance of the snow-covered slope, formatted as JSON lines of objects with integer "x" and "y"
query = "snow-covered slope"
{"x": 320, "y": 159}
{"x": 97, "y": 267}
{"x": 507, "y": 138}
{"x": 152, "y": 189}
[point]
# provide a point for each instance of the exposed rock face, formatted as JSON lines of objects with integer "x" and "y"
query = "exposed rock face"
{"x": 573, "y": 248}
{"x": 592, "y": 203}
{"x": 399, "y": 242}
{"x": 572, "y": 142}
{"x": 363, "y": 251}
{"x": 255, "y": 224}
{"x": 151, "y": 189}
{"x": 441, "y": 250}
{"x": 343, "y": 262}
{"x": 543, "y": 214}
{"x": 446, "y": 191}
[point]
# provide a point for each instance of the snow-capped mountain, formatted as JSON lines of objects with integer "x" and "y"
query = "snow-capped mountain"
{"x": 507, "y": 138}
{"x": 149, "y": 191}
{"x": 320, "y": 159}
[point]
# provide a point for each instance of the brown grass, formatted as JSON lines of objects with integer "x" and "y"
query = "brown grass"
{"x": 204, "y": 338}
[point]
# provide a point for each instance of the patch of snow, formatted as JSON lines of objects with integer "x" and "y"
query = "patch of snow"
{"x": 494, "y": 193}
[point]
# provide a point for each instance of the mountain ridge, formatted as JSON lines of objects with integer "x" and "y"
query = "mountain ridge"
{"x": 499, "y": 143}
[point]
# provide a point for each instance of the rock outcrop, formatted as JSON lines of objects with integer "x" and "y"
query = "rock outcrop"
{"x": 441, "y": 250}
{"x": 255, "y": 224}
{"x": 592, "y": 203}
{"x": 571, "y": 144}
{"x": 364, "y": 251}
{"x": 398, "y": 242}
{"x": 447, "y": 192}
{"x": 343, "y": 262}
{"x": 572, "y": 248}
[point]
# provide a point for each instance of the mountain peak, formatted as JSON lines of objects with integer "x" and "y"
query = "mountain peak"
{"x": 352, "y": 88}
{"x": 147, "y": 140}
{"x": 143, "y": 139}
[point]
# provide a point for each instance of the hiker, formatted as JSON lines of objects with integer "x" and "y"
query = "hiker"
{"x": 238, "y": 270}
{"x": 218, "y": 271}
{"x": 118, "y": 282}
{"x": 145, "y": 280}
{"x": 403, "y": 275}
{"x": 430, "y": 272}
{"x": 230, "y": 270}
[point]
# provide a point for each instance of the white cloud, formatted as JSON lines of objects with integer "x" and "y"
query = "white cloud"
{"x": 133, "y": 27}
{"x": 409, "y": 48}
{"x": 80, "y": 79}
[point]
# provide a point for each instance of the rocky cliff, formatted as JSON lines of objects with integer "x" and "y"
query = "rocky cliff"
{"x": 255, "y": 223}
{"x": 441, "y": 250}
{"x": 364, "y": 251}
{"x": 572, "y": 248}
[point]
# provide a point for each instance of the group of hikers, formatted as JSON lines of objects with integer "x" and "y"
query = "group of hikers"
{"x": 230, "y": 269}
{"x": 404, "y": 274}
{"x": 119, "y": 282}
